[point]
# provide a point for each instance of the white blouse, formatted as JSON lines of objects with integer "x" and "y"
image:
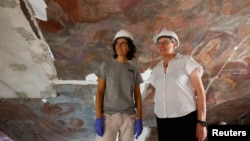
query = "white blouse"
{"x": 174, "y": 94}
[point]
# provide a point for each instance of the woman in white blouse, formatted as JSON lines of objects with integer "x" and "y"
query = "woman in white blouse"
{"x": 180, "y": 101}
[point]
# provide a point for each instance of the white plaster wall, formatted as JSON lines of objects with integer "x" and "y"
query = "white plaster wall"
{"x": 26, "y": 66}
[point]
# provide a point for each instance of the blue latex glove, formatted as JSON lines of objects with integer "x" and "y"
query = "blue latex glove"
{"x": 138, "y": 128}
{"x": 99, "y": 126}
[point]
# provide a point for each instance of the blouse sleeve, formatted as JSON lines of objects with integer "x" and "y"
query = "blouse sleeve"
{"x": 191, "y": 64}
{"x": 151, "y": 78}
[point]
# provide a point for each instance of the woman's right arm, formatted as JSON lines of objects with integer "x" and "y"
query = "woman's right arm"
{"x": 99, "y": 97}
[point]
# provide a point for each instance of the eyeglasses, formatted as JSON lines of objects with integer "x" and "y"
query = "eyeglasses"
{"x": 163, "y": 43}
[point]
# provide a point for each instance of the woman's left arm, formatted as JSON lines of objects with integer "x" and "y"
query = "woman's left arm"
{"x": 195, "y": 77}
{"x": 138, "y": 101}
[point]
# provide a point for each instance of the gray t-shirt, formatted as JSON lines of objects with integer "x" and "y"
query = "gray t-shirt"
{"x": 121, "y": 80}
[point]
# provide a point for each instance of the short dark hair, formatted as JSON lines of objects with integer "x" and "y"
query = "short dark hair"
{"x": 131, "y": 45}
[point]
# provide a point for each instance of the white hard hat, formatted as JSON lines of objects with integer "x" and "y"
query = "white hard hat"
{"x": 123, "y": 33}
{"x": 165, "y": 32}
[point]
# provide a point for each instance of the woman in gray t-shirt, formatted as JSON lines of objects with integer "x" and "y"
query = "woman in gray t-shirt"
{"x": 118, "y": 97}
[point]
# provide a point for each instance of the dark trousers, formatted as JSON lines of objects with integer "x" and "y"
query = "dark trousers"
{"x": 177, "y": 129}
